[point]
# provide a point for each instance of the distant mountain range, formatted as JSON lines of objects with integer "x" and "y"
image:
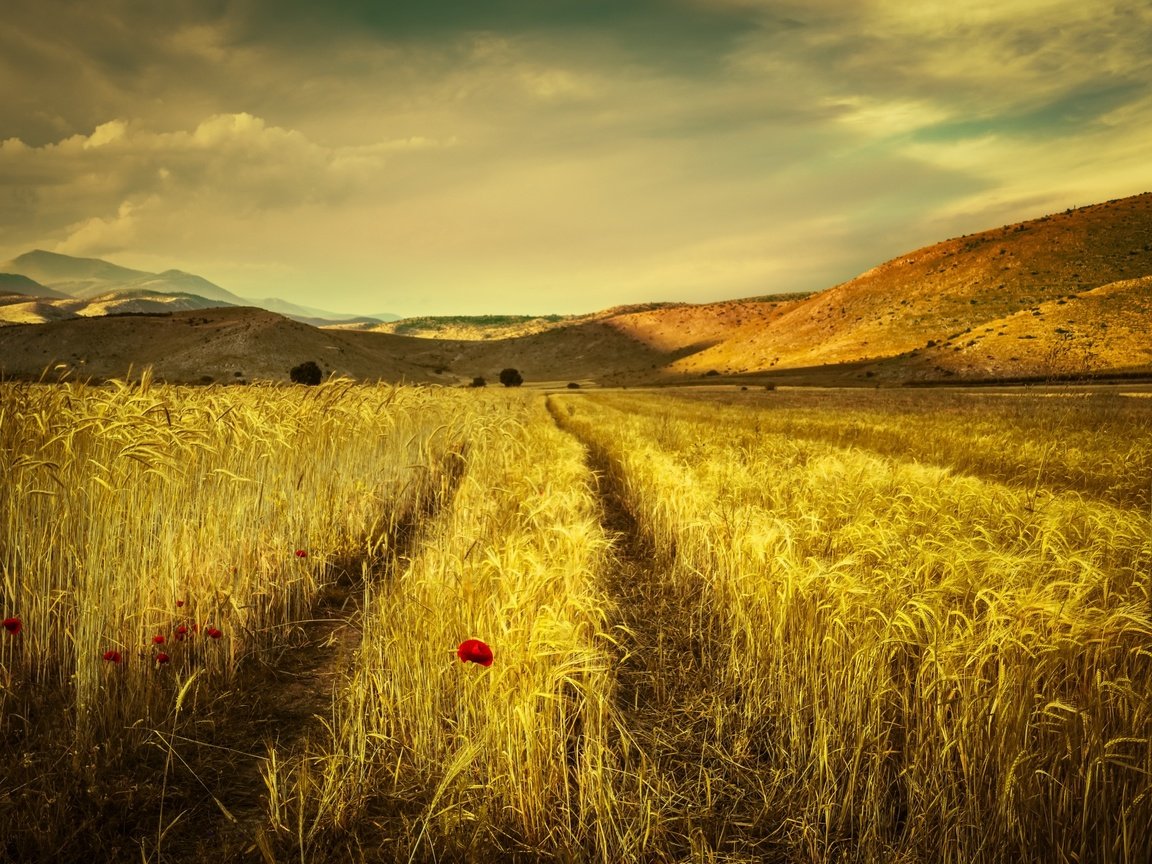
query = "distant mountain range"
{"x": 1065, "y": 296}
{"x": 106, "y": 288}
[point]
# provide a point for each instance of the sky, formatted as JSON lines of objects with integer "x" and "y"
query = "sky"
{"x": 555, "y": 156}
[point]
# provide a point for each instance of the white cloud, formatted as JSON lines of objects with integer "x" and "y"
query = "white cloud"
{"x": 103, "y": 235}
{"x": 94, "y": 186}
{"x": 880, "y": 118}
{"x": 483, "y": 167}
{"x": 106, "y": 133}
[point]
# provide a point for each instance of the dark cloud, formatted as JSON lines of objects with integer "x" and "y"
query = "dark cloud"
{"x": 612, "y": 149}
{"x": 670, "y": 34}
{"x": 1070, "y": 114}
{"x": 70, "y": 66}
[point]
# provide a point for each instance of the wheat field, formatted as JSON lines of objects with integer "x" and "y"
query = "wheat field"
{"x": 791, "y": 626}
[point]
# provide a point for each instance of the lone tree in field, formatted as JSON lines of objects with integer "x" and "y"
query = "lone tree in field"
{"x": 511, "y": 378}
{"x": 478, "y": 382}
{"x": 306, "y": 373}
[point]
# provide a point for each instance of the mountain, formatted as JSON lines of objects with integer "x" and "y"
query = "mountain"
{"x": 21, "y": 284}
{"x": 930, "y": 296}
{"x": 220, "y": 344}
{"x": 318, "y": 317}
{"x": 86, "y": 278}
{"x": 179, "y": 282}
{"x": 1064, "y": 295}
{"x": 75, "y": 277}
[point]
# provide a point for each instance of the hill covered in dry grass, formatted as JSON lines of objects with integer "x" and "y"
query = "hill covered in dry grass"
{"x": 1037, "y": 276}
{"x": 1063, "y": 295}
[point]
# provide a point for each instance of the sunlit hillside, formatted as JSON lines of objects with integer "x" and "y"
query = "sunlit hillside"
{"x": 1060, "y": 296}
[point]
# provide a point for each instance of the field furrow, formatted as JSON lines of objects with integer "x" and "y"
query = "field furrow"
{"x": 429, "y": 757}
{"x": 928, "y": 666}
{"x": 409, "y": 624}
{"x": 165, "y": 551}
{"x": 701, "y": 795}
{"x": 1092, "y": 443}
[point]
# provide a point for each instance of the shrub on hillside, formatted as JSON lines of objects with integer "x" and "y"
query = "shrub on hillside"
{"x": 511, "y": 378}
{"x": 478, "y": 382}
{"x": 306, "y": 373}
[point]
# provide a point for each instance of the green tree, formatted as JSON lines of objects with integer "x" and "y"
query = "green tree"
{"x": 511, "y": 378}
{"x": 306, "y": 373}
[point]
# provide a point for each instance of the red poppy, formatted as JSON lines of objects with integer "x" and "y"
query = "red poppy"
{"x": 179, "y": 603}
{"x": 475, "y": 651}
{"x": 158, "y": 639}
{"x": 214, "y": 633}
{"x": 13, "y": 625}
{"x": 112, "y": 656}
{"x": 162, "y": 657}
{"x": 301, "y": 553}
{"x": 181, "y": 632}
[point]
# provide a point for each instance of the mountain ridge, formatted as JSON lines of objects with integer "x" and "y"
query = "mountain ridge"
{"x": 1062, "y": 295}
{"x": 74, "y": 278}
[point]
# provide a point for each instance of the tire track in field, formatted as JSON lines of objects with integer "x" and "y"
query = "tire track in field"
{"x": 279, "y": 701}
{"x": 667, "y": 692}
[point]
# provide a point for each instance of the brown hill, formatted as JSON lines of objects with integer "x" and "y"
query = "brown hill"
{"x": 1107, "y": 329}
{"x": 1067, "y": 294}
{"x": 26, "y": 309}
{"x": 18, "y": 283}
{"x": 22, "y": 309}
{"x": 221, "y": 344}
{"x": 937, "y": 292}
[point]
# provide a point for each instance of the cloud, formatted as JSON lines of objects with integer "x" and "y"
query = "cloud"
{"x": 94, "y": 191}
{"x": 457, "y": 153}
{"x": 104, "y": 235}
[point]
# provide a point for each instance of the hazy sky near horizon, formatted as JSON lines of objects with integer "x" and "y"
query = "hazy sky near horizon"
{"x": 517, "y": 156}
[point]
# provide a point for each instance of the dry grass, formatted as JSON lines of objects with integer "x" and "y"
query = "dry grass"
{"x": 456, "y": 759}
{"x": 1043, "y": 440}
{"x": 925, "y": 666}
{"x": 131, "y": 511}
{"x": 778, "y": 631}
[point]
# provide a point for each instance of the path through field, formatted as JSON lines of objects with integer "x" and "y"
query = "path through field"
{"x": 668, "y": 695}
{"x": 749, "y": 627}
{"x": 279, "y": 702}
{"x": 275, "y": 703}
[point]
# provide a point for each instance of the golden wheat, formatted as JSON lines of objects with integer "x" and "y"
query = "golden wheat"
{"x": 782, "y": 626}
{"x": 929, "y": 665}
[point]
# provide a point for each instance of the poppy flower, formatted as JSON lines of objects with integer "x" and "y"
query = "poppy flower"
{"x": 158, "y": 639}
{"x": 162, "y": 658}
{"x": 475, "y": 651}
{"x": 301, "y": 553}
{"x": 112, "y": 656}
{"x": 179, "y": 603}
{"x": 214, "y": 633}
{"x": 13, "y": 625}
{"x": 181, "y": 632}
